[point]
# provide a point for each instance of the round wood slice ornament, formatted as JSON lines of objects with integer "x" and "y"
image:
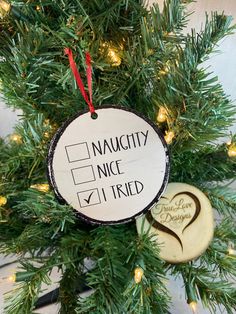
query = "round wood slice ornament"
{"x": 183, "y": 222}
{"x": 110, "y": 169}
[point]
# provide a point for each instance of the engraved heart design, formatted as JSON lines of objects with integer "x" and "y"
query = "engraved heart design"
{"x": 159, "y": 226}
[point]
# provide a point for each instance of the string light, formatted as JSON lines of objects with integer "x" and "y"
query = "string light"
{"x": 113, "y": 53}
{"x": 43, "y": 187}
{"x": 5, "y": 8}
{"x": 162, "y": 115}
{"x": 2, "y": 221}
{"x": 193, "y": 306}
{"x": 3, "y": 200}
{"x": 165, "y": 69}
{"x": 16, "y": 138}
{"x": 46, "y": 134}
{"x": 232, "y": 150}
{"x": 231, "y": 249}
{"x": 169, "y": 136}
{"x": 138, "y": 274}
{"x": 53, "y": 127}
{"x": 46, "y": 122}
{"x": 163, "y": 72}
{"x": 19, "y": 276}
{"x": 46, "y": 219}
{"x": 12, "y": 278}
{"x": 232, "y": 252}
{"x": 114, "y": 57}
{"x": 191, "y": 295}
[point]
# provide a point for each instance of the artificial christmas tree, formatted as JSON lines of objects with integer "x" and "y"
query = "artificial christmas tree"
{"x": 141, "y": 62}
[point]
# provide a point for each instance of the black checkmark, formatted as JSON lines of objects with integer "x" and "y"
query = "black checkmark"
{"x": 89, "y": 198}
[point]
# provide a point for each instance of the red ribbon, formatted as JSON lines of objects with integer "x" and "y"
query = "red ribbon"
{"x": 79, "y": 81}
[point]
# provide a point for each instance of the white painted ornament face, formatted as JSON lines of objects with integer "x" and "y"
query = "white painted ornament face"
{"x": 110, "y": 169}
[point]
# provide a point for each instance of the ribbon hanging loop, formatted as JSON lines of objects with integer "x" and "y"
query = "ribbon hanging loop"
{"x": 79, "y": 81}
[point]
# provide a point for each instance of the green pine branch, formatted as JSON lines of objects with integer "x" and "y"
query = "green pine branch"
{"x": 159, "y": 66}
{"x": 223, "y": 199}
{"x": 193, "y": 166}
{"x": 216, "y": 293}
{"x": 27, "y": 291}
{"x": 23, "y": 161}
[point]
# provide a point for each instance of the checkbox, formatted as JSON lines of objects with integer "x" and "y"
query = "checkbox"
{"x": 77, "y": 152}
{"x": 89, "y": 198}
{"x": 83, "y": 175}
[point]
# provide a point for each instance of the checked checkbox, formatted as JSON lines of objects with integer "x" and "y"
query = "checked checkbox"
{"x": 89, "y": 198}
{"x": 83, "y": 175}
{"x": 77, "y": 152}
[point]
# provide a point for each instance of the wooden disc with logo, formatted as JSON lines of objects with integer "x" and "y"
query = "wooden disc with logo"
{"x": 183, "y": 222}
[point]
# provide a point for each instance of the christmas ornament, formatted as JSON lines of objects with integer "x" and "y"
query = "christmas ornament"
{"x": 110, "y": 169}
{"x": 3, "y": 200}
{"x": 105, "y": 163}
{"x": 138, "y": 274}
{"x": 182, "y": 221}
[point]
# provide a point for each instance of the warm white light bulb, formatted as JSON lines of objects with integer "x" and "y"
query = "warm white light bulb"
{"x": 232, "y": 252}
{"x": 193, "y": 306}
{"x": 232, "y": 150}
{"x": 16, "y": 138}
{"x": 114, "y": 57}
{"x": 138, "y": 274}
{"x": 12, "y": 278}
{"x": 231, "y": 249}
{"x": 3, "y": 200}
{"x": 5, "y": 5}
{"x": 43, "y": 187}
{"x": 169, "y": 137}
{"x": 162, "y": 115}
